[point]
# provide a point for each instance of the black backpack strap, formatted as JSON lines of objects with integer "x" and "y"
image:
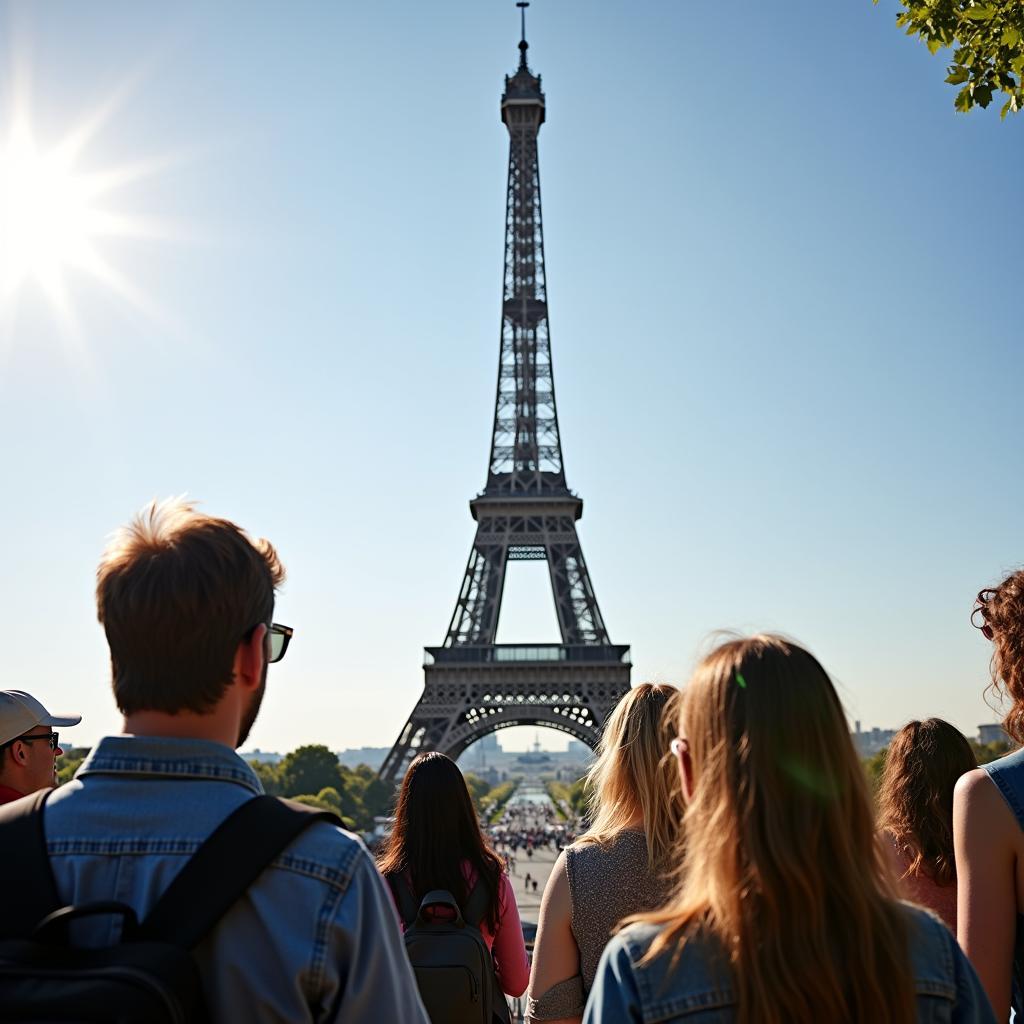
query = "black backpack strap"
{"x": 405, "y": 898}
{"x": 477, "y": 904}
{"x": 224, "y": 867}
{"x": 31, "y": 891}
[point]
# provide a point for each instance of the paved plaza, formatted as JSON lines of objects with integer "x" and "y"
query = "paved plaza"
{"x": 531, "y": 813}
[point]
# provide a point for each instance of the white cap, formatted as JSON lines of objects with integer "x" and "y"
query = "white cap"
{"x": 20, "y": 712}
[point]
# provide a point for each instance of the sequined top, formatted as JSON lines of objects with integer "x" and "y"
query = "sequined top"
{"x": 607, "y": 883}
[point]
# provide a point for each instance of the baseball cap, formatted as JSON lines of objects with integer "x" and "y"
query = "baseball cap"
{"x": 20, "y": 712}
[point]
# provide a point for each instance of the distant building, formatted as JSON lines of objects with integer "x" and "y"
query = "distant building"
{"x": 872, "y": 741}
{"x": 578, "y": 749}
{"x": 263, "y": 756}
{"x": 992, "y": 732}
{"x": 534, "y": 757}
{"x": 372, "y": 757}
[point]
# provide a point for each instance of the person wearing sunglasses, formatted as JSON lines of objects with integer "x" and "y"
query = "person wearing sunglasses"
{"x": 187, "y": 604}
{"x": 988, "y": 816}
{"x": 29, "y": 747}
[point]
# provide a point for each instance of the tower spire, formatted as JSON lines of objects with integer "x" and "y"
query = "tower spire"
{"x": 472, "y": 684}
{"x": 523, "y": 44}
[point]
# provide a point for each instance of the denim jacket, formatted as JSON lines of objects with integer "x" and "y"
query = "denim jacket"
{"x": 314, "y": 939}
{"x": 699, "y": 990}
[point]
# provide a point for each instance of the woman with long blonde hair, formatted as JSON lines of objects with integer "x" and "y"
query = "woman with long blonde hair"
{"x": 620, "y": 866}
{"x": 785, "y": 913}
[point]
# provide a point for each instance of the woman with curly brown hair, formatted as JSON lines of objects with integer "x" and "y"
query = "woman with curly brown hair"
{"x": 915, "y": 811}
{"x": 988, "y": 818}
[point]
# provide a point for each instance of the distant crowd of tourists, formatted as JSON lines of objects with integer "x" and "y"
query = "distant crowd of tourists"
{"x": 735, "y": 866}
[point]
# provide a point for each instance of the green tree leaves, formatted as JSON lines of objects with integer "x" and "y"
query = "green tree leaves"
{"x": 989, "y": 41}
{"x": 309, "y": 769}
{"x": 313, "y": 775}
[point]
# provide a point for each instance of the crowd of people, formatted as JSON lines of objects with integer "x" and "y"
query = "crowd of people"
{"x": 735, "y": 866}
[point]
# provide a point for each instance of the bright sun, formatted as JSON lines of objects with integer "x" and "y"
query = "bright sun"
{"x": 46, "y": 216}
{"x": 52, "y": 216}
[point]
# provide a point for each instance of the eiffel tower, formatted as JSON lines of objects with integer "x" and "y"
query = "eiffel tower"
{"x": 472, "y": 685}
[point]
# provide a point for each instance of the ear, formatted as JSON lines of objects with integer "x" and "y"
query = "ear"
{"x": 19, "y": 752}
{"x": 250, "y": 658}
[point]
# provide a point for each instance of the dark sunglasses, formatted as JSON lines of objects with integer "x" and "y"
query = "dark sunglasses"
{"x": 280, "y": 638}
{"x": 981, "y": 607}
{"x": 52, "y": 738}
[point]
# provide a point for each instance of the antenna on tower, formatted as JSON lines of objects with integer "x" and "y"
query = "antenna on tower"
{"x": 523, "y": 44}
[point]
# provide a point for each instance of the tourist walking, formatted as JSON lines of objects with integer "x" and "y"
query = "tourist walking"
{"x": 915, "y": 811}
{"x": 620, "y": 865}
{"x": 436, "y": 844}
{"x": 786, "y": 913}
{"x": 988, "y": 818}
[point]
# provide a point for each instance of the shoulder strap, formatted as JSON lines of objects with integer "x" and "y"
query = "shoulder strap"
{"x": 408, "y": 908}
{"x": 224, "y": 867}
{"x": 477, "y": 903}
{"x": 31, "y": 891}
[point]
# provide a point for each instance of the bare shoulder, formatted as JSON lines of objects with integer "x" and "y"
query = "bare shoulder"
{"x": 556, "y": 892}
{"x": 980, "y": 809}
{"x": 975, "y": 785}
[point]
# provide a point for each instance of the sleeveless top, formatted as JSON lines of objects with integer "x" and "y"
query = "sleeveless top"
{"x": 925, "y": 891}
{"x": 606, "y": 884}
{"x": 1008, "y": 775}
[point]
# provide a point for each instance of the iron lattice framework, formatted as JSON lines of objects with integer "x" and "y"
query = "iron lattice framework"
{"x": 472, "y": 685}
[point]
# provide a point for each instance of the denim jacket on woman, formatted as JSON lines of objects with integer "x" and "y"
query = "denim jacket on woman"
{"x": 698, "y": 989}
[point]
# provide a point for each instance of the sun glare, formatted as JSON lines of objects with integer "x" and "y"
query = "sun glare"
{"x": 46, "y": 223}
{"x": 54, "y": 213}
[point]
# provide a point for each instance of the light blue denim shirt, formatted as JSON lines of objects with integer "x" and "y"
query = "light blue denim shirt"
{"x": 699, "y": 990}
{"x": 315, "y": 938}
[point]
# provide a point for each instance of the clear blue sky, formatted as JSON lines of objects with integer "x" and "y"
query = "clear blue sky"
{"x": 784, "y": 295}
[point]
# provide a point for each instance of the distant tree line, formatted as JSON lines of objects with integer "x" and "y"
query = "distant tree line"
{"x": 313, "y": 775}
{"x": 570, "y": 798}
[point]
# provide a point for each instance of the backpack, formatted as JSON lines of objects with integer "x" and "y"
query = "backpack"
{"x": 150, "y": 975}
{"x": 453, "y": 966}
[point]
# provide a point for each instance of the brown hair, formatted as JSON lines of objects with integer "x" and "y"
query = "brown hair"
{"x": 436, "y": 830}
{"x": 635, "y": 776}
{"x": 1003, "y": 612}
{"x": 915, "y": 798}
{"x": 780, "y": 861}
{"x": 176, "y": 592}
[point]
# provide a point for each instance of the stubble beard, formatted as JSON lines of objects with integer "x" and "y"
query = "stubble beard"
{"x": 253, "y": 709}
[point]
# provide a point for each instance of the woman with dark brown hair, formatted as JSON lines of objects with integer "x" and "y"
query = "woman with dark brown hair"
{"x": 988, "y": 818}
{"x": 437, "y": 843}
{"x": 915, "y": 811}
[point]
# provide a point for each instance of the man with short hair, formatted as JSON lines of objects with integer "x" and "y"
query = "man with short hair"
{"x": 29, "y": 747}
{"x": 187, "y": 604}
